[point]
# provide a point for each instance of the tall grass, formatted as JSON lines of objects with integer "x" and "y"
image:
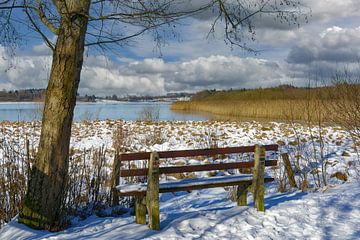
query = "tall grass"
{"x": 267, "y": 109}
{"x": 272, "y": 103}
{"x": 88, "y": 185}
{"x": 14, "y": 169}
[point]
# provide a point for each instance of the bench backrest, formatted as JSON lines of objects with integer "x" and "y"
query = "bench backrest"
{"x": 191, "y": 153}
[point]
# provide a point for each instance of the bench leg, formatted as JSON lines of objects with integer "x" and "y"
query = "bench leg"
{"x": 258, "y": 186}
{"x": 140, "y": 209}
{"x": 152, "y": 194}
{"x": 259, "y": 200}
{"x": 154, "y": 213}
{"x": 241, "y": 194}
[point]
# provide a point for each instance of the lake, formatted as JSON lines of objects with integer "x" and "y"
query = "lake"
{"x": 31, "y": 111}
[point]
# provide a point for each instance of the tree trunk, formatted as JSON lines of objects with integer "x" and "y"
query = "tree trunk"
{"x": 43, "y": 207}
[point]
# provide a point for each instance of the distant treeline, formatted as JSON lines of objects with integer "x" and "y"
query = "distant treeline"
{"x": 34, "y": 95}
{"x": 38, "y": 95}
{"x": 135, "y": 98}
{"x": 282, "y": 92}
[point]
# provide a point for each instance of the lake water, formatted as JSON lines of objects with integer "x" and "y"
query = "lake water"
{"x": 21, "y": 111}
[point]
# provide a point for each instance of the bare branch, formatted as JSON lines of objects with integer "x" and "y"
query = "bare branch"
{"x": 109, "y": 20}
{"x": 45, "y": 20}
{"x": 37, "y": 29}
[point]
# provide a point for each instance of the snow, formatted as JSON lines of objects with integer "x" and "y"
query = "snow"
{"x": 185, "y": 183}
{"x": 327, "y": 213}
{"x": 333, "y": 213}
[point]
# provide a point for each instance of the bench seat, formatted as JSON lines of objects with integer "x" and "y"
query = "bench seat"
{"x": 139, "y": 189}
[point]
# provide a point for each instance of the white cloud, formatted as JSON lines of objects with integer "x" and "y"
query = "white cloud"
{"x": 321, "y": 56}
{"x": 23, "y": 71}
{"x": 104, "y": 81}
{"x": 193, "y": 62}
{"x": 334, "y": 44}
{"x": 155, "y": 76}
{"x": 224, "y": 72}
{"x": 103, "y": 76}
{"x": 330, "y": 10}
{"x": 41, "y": 50}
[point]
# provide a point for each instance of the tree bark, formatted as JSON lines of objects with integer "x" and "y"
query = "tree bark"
{"x": 43, "y": 207}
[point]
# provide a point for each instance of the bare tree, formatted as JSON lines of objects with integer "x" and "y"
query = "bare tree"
{"x": 106, "y": 24}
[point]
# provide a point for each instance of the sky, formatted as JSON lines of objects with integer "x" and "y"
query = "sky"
{"x": 189, "y": 61}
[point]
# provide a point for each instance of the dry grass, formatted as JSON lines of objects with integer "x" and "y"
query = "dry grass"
{"x": 280, "y": 103}
{"x": 87, "y": 189}
{"x": 257, "y": 109}
{"x": 14, "y": 168}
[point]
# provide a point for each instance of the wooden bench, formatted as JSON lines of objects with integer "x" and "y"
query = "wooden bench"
{"x": 147, "y": 194}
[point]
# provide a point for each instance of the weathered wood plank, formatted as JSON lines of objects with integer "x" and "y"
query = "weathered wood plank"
{"x": 194, "y": 187}
{"x": 152, "y": 194}
{"x": 195, "y": 168}
{"x": 195, "y": 152}
{"x": 289, "y": 170}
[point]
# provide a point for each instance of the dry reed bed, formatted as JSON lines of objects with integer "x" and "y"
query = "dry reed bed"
{"x": 286, "y": 102}
{"x": 261, "y": 109}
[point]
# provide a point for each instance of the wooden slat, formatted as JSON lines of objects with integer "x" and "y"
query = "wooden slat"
{"x": 194, "y": 187}
{"x": 194, "y": 152}
{"x": 194, "y": 168}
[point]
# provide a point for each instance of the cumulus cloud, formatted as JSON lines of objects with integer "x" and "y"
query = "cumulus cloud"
{"x": 23, "y": 71}
{"x": 325, "y": 11}
{"x": 41, "y": 50}
{"x": 279, "y": 34}
{"x": 271, "y": 33}
{"x": 335, "y": 44}
{"x": 224, "y": 72}
{"x": 104, "y": 76}
{"x": 154, "y": 76}
{"x": 322, "y": 56}
{"x": 318, "y": 12}
{"x": 192, "y": 62}
{"x": 118, "y": 79}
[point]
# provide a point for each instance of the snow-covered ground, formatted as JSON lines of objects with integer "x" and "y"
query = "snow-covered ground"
{"x": 208, "y": 214}
{"x": 331, "y": 212}
{"x": 301, "y": 142}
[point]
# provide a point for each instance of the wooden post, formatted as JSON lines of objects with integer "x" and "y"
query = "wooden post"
{"x": 140, "y": 209}
{"x": 115, "y": 179}
{"x": 258, "y": 178}
{"x": 289, "y": 170}
{"x": 241, "y": 193}
{"x": 152, "y": 194}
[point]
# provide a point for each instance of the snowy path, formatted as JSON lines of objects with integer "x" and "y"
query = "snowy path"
{"x": 207, "y": 214}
